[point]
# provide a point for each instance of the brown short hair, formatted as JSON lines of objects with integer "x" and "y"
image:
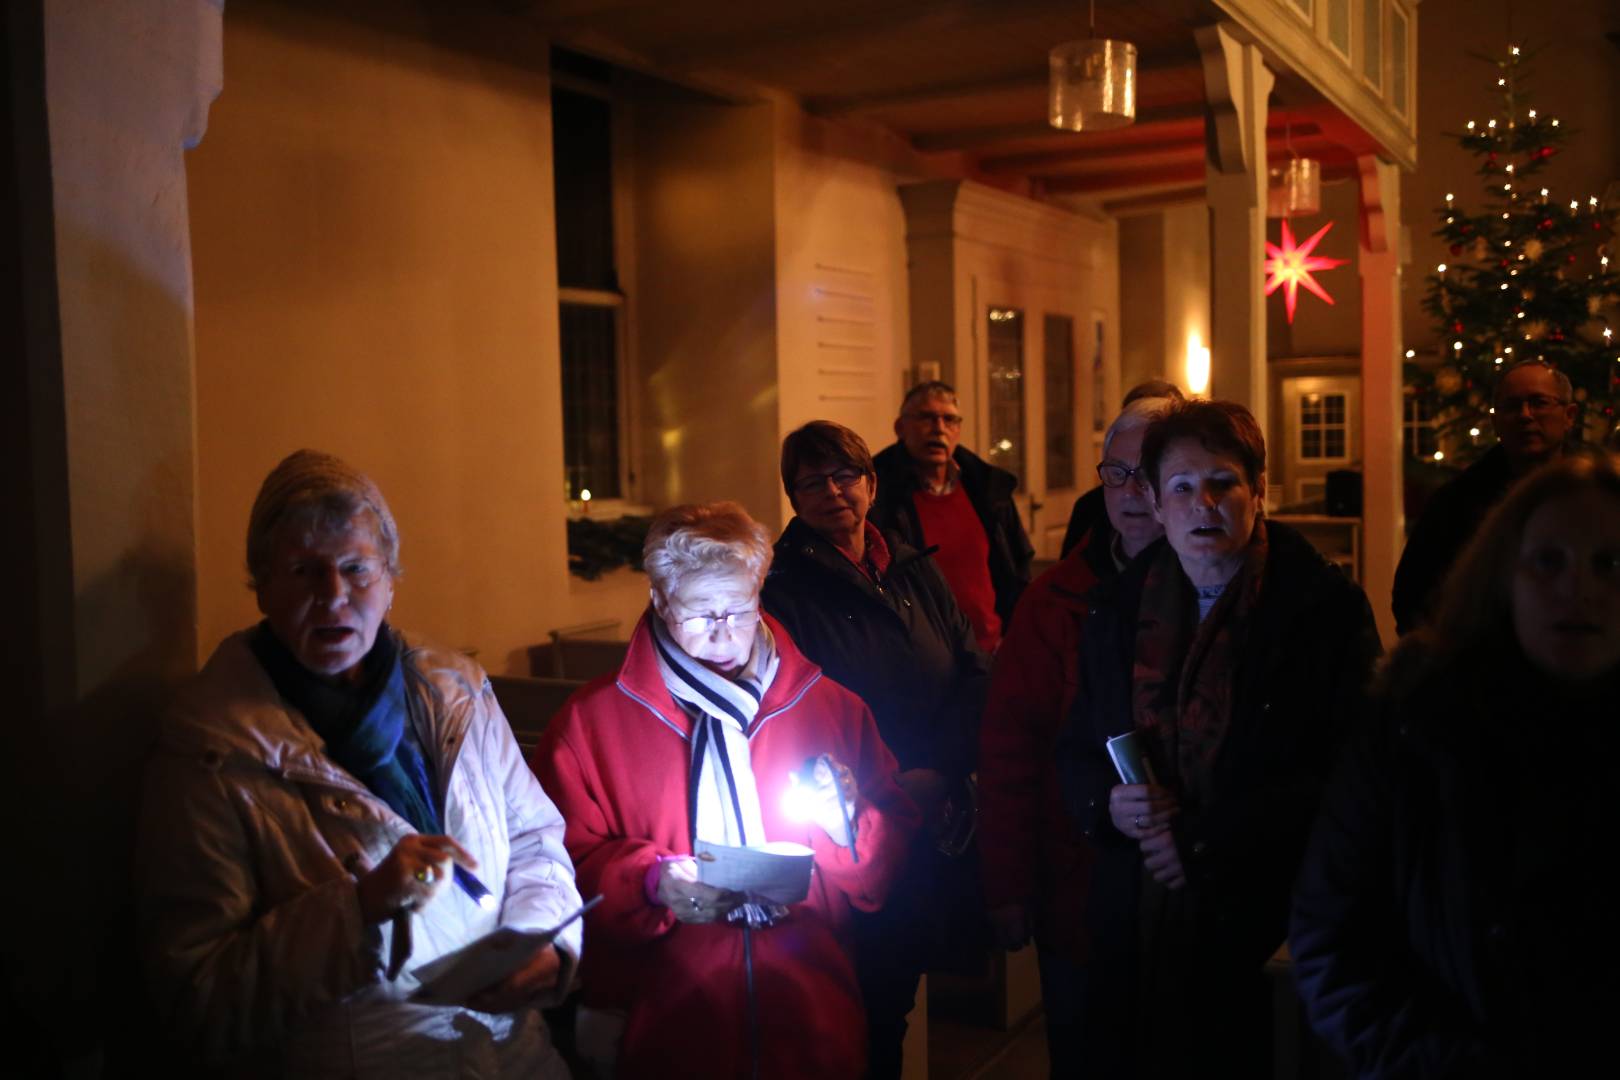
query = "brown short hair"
{"x": 1153, "y": 388}
{"x": 822, "y": 442}
{"x": 1221, "y": 427}
{"x": 318, "y": 491}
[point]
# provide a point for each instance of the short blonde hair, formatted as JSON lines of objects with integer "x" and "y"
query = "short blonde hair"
{"x": 321, "y": 492}
{"x": 705, "y": 538}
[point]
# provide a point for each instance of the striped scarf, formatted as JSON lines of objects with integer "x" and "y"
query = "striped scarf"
{"x": 722, "y": 799}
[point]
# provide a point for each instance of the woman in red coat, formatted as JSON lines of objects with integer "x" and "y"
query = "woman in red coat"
{"x": 695, "y": 739}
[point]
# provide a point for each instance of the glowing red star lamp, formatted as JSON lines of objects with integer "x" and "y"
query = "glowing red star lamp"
{"x": 1290, "y": 266}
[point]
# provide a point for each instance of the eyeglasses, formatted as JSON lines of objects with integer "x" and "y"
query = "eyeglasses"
{"x": 732, "y": 620}
{"x": 1114, "y": 475}
{"x": 1537, "y": 402}
{"x": 950, "y": 420}
{"x": 843, "y": 479}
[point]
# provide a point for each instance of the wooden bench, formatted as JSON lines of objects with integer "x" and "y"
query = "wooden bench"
{"x": 529, "y": 704}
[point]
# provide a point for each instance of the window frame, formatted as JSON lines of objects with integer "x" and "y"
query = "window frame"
{"x": 623, "y": 301}
{"x": 1322, "y": 426}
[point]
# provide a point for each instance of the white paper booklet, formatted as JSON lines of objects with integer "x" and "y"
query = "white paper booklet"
{"x": 457, "y": 976}
{"x": 778, "y": 872}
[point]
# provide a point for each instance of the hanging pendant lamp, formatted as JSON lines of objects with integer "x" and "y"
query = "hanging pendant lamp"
{"x": 1093, "y": 83}
{"x": 1295, "y": 188}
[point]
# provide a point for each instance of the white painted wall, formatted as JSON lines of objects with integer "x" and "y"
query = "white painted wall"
{"x": 842, "y": 333}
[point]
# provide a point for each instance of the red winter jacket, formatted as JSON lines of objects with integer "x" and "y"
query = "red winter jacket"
{"x": 1031, "y": 851}
{"x": 615, "y": 761}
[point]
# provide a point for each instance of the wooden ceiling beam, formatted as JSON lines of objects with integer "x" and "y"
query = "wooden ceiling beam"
{"x": 955, "y": 91}
{"x": 1094, "y": 158}
{"x": 995, "y": 134}
{"x": 1124, "y": 182}
{"x": 1153, "y": 202}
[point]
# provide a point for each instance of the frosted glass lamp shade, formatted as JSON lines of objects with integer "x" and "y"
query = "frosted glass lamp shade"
{"x": 1294, "y": 189}
{"x": 1093, "y": 85}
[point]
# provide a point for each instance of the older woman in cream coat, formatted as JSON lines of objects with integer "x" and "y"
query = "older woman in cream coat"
{"x": 311, "y": 797}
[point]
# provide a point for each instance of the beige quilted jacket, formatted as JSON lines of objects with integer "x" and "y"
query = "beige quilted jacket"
{"x": 251, "y": 842}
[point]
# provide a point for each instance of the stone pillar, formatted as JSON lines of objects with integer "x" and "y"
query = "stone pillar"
{"x": 1383, "y": 520}
{"x": 1236, "y": 85}
{"x": 123, "y": 89}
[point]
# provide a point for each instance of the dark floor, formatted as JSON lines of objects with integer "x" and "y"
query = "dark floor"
{"x": 958, "y": 1051}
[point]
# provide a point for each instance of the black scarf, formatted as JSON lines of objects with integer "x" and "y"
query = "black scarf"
{"x": 364, "y": 723}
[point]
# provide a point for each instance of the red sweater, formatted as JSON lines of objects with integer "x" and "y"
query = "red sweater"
{"x": 950, "y": 522}
{"x": 614, "y": 760}
{"x": 1032, "y": 851}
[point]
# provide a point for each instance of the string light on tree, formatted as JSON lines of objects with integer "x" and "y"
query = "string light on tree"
{"x": 1517, "y": 271}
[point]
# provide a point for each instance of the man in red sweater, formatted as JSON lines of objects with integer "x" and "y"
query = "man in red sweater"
{"x": 938, "y": 495}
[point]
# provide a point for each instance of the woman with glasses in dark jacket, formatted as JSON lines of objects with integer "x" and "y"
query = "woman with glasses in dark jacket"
{"x": 877, "y": 616}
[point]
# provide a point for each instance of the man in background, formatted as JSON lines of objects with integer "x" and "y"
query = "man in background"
{"x": 1088, "y": 512}
{"x": 936, "y": 493}
{"x": 1533, "y": 413}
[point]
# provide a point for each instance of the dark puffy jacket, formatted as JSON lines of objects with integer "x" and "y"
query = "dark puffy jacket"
{"x": 902, "y": 645}
{"x": 1454, "y": 916}
{"x": 1451, "y": 518}
{"x": 1306, "y": 660}
{"x": 989, "y": 489}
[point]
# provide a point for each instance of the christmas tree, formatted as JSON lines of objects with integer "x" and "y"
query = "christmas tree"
{"x": 1529, "y": 278}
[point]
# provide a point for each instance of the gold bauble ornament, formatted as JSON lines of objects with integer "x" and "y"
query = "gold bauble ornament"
{"x": 1532, "y": 249}
{"x": 1448, "y": 380}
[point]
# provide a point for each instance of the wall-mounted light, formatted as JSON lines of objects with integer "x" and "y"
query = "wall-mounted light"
{"x": 1092, "y": 83}
{"x": 1198, "y": 362}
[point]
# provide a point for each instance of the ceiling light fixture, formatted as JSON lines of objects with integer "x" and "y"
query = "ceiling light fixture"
{"x": 1093, "y": 83}
{"x": 1294, "y": 189}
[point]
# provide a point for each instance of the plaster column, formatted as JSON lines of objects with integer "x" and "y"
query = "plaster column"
{"x": 124, "y": 90}
{"x": 1236, "y": 86}
{"x": 1383, "y": 521}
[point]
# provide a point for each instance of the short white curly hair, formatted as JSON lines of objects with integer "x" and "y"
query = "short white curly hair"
{"x": 704, "y": 538}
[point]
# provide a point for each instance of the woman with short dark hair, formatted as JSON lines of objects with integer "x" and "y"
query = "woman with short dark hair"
{"x": 1236, "y": 656}
{"x": 877, "y": 615}
{"x": 1455, "y": 916}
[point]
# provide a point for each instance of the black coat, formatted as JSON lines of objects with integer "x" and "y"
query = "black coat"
{"x": 902, "y": 645}
{"x": 1089, "y": 512}
{"x": 1451, "y": 518}
{"x": 1454, "y": 916}
{"x": 988, "y": 488}
{"x": 1307, "y": 655}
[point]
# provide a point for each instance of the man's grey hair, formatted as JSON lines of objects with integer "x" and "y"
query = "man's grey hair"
{"x": 1566, "y": 389}
{"x": 1138, "y": 414}
{"x": 320, "y": 493}
{"x": 926, "y": 390}
{"x": 704, "y": 538}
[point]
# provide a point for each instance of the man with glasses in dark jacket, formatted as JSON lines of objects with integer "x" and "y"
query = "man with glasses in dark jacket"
{"x": 937, "y": 494}
{"x": 1533, "y": 412}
